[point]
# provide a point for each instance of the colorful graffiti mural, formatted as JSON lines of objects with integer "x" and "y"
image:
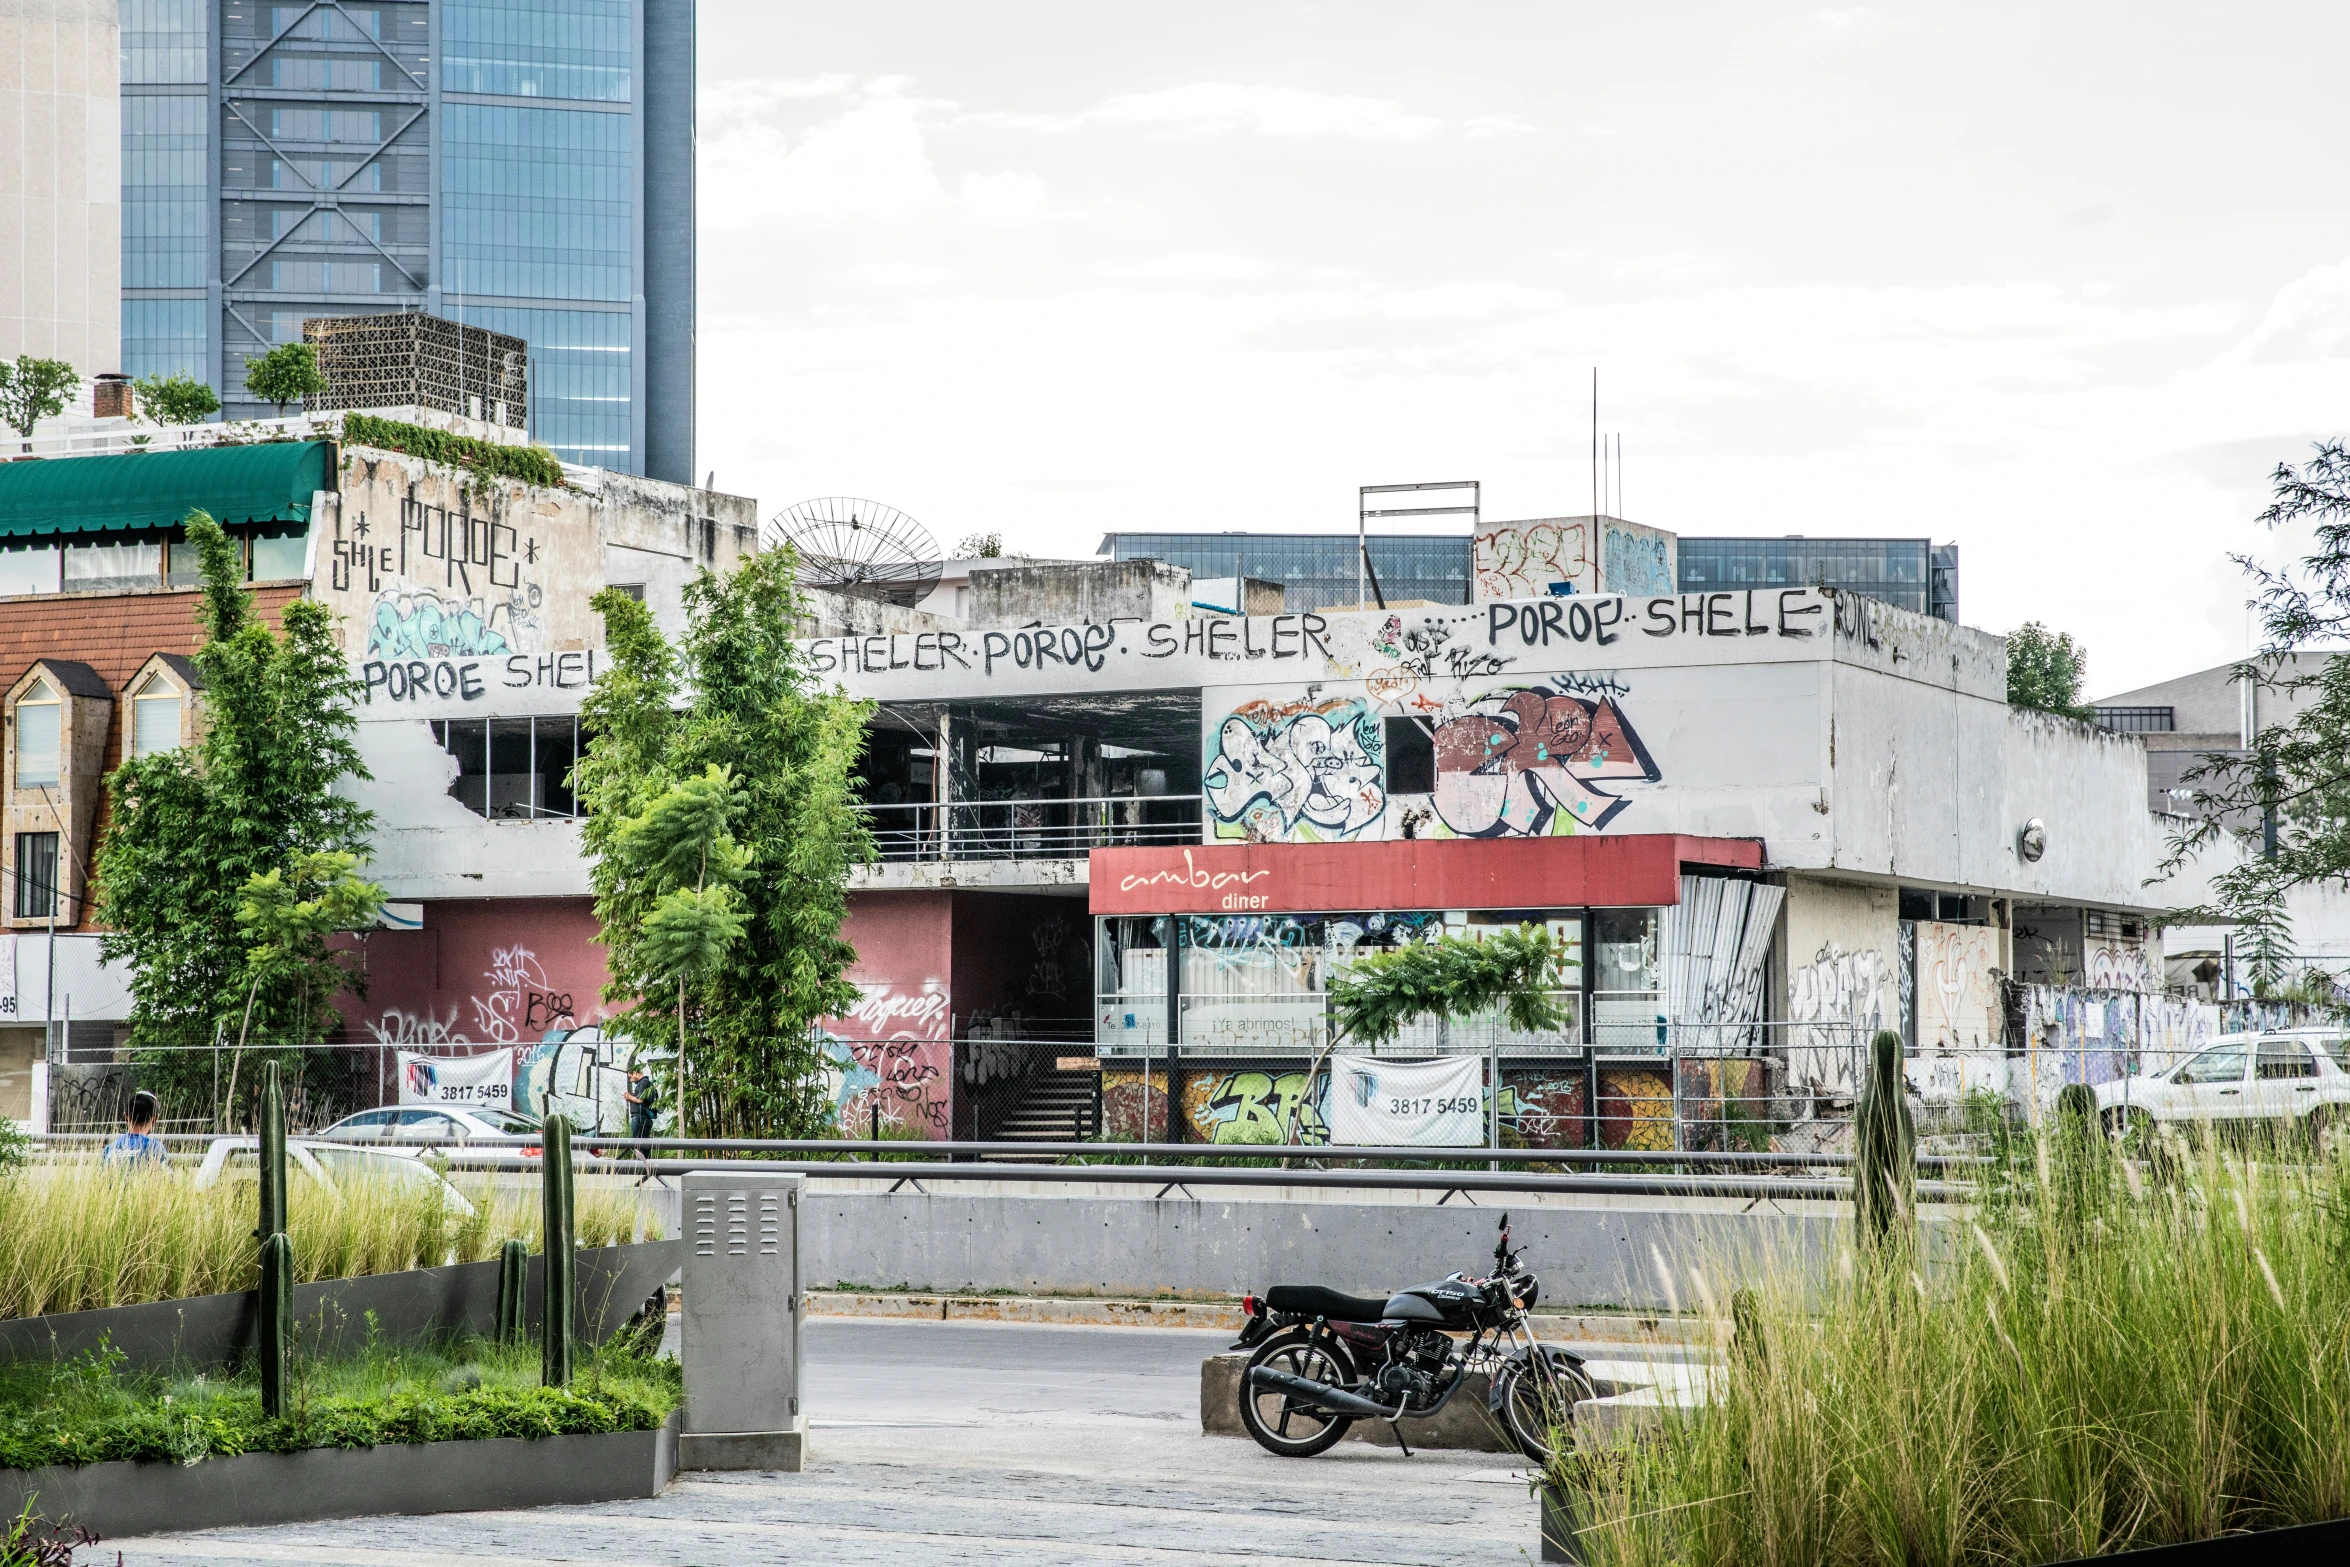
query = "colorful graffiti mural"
{"x": 888, "y": 1063}
{"x": 1255, "y": 1107}
{"x": 1134, "y": 1106}
{"x": 1545, "y": 1111}
{"x": 1526, "y": 763}
{"x": 421, "y": 623}
{"x": 1635, "y": 1109}
{"x": 1296, "y": 772}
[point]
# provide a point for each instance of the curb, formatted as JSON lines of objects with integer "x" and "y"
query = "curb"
{"x": 1220, "y": 1315}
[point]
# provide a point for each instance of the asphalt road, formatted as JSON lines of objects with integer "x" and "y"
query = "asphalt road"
{"x": 952, "y": 1442}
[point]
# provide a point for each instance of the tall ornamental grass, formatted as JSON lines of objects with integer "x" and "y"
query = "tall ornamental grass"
{"x": 2101, "y": 1355}
{"x": 78, "y": 1235}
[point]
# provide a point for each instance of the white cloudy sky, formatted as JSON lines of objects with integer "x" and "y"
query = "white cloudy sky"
{"x": 2059, "y": 283}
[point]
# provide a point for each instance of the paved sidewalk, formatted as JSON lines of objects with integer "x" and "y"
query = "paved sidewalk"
{"x": 953, "y": 1442}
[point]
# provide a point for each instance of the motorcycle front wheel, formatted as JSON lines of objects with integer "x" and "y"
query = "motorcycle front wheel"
{"x": 1539, "y": 1399}
{"x": 1272, "y": 1417}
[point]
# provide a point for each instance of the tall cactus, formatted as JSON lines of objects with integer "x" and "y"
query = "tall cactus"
{"x": 277, "y": 1321}
{"x": 273, "y": 1157}
{"x": 513, "y": 1286}
{"x": 1884, "y": 1186}
{"x": 555, "y": 1361}
{"x": 275, "y": 1330}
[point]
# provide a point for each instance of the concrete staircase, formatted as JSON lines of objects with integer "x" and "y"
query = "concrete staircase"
{"x": 1053, "y": 1107}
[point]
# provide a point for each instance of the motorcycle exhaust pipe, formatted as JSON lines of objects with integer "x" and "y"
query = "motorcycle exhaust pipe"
{"x": 1321, "y": 1394}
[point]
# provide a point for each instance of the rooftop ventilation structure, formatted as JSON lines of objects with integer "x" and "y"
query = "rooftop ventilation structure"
{"x": 407, "y": 359}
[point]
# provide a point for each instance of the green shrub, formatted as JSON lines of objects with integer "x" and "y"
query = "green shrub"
{"x": 485, "y": 459}
{"x": 88, "y": 1410}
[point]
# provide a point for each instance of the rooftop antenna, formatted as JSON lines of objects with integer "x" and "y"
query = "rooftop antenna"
{"x": 858, "y": 547}
{"x": 1595, "y": 440}
{"x": 1364, "y": 513}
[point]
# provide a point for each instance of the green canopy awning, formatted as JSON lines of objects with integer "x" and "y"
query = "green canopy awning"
{"x": 269, "y": 482}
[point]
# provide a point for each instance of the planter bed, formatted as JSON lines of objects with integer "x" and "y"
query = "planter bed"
{"x": 120, "y": 1500}
{"x": 422, "y": 1305}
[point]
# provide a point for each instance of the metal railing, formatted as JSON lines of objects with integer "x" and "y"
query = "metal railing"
{"x": 1037, "y": 829}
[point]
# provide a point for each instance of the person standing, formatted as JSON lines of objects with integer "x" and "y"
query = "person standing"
{"x": 641, "y": 1098}
{"x": 138, "y": 1144}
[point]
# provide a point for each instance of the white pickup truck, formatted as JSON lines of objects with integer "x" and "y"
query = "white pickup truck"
{"x": 2299, "y": 1075}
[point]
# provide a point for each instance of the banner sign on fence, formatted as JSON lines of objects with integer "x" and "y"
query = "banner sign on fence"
{"x": 1418, "y": 1104}
{"x": 485, "y": 1079}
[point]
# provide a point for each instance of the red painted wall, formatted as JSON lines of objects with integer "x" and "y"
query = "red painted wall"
{"x": 489, "y": 970}
{"x": 891, "y": 1059}
{"x": 1620, "y": 871}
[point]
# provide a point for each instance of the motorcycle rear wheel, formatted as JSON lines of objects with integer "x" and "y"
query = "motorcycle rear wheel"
{"x": 1540, "y": 1399}
{"x": 1279, "y": 1426}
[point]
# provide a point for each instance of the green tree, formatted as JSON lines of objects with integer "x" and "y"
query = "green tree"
{"x": 721, "y": 894}
{"x": 2045, "y": 669}
{"x": 211, "y": 881}
{"x": 175, "y": 399}
{"x": 1515, "y": 972}
{"x": 287, "y": 914}
{"x": 980, "y": 546}
{"x": 2286, "y": 801}
{"x": 681, "y": 841}
{"x": 288, "y": 373}
{"x": 32, "y": 390}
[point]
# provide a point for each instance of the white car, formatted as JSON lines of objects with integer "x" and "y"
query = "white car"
{"x": 429, "y": 1124}
{"x": 329, "y": 1164}
{"x": 2300, "y": 1075}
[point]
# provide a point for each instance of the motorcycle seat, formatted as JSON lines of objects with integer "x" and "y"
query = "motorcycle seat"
{"x": 1312, "y": 1300}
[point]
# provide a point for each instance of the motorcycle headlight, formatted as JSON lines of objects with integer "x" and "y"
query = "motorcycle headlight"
{"x": 1530, "y": 1291}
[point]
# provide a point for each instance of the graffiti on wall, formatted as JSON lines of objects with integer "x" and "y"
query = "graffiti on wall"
{"x": 425, "y": 623}
{"x": 1255, "y": 1107}
{"x": 522, "y": 1003}
{"x": 2115, "y": 966}
{"x": 1636, "y": 563}
{"x": 1837, "y": 1000}
{"x": 1545, "y": 1112}
{"x": 517, "y": 1003}
{"x": 1527, "y": 763}
{"x": 1635, "y": 1109}
{"x": 1296, "y": 772}
{"x": 1957, "y": 986}
{"x": 886, "y": 1063}
{"x": 1517, "y": 562}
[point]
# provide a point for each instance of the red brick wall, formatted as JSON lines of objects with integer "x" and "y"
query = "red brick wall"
{"x": 113, "y": 633}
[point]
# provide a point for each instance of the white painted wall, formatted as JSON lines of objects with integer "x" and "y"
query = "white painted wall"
{"x": 1851, "y": 738}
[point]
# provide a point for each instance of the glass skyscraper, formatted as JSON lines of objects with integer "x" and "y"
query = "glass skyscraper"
{"x": 523, "y": 165}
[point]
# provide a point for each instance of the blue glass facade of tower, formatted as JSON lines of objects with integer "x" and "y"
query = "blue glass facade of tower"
{"x": 523, "y": 165}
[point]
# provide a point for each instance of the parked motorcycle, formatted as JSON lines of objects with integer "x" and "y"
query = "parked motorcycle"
{"x": 1324, "y": 1360}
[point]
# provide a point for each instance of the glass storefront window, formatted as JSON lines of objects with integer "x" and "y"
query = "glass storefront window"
{"x": 1627, "y": 982}
{"x": 1260, "y": 982}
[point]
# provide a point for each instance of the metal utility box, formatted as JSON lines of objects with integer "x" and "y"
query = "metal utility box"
{"x": 740, "y": 1334}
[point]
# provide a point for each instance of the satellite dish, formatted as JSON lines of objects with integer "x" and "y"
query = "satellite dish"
{"x": 860, "y": 547}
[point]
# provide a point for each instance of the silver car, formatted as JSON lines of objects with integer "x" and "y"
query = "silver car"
{"x": 2297, "y": 1076}
{"x": 430, "y": 1124}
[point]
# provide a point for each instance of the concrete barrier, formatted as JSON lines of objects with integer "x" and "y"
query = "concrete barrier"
{"x": 1123, "y": 1241}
